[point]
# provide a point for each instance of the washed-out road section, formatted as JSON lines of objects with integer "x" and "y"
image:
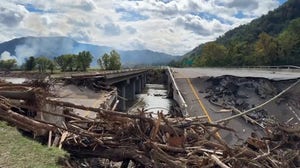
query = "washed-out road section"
{"x": 191, "y": 83}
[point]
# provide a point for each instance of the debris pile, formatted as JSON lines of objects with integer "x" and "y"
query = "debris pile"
{"x": 138, "y": 140}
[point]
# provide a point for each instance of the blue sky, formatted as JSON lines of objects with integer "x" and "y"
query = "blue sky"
{"x": 170, "y": 26}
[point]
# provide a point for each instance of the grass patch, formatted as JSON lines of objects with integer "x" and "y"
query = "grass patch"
{"x": 21, "y": 152}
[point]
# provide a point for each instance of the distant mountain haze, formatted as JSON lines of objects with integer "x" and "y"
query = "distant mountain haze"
{"x": 24, "y": 47}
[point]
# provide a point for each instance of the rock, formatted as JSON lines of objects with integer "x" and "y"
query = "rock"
{"x": 239, "y": 102}
{"x": 259, "y": 114}
{"x": 265, "y": 89}
{"x": 241, "y": 94}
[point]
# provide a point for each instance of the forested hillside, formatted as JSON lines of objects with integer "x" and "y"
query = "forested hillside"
{"x": 273, "y": 39}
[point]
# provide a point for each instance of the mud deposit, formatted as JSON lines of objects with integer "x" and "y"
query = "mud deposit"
{"x": 245, "y": 93}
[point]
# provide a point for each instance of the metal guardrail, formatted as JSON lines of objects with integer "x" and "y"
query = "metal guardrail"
{"x": 273, "y": 67}
{"x": 284, "y": 68}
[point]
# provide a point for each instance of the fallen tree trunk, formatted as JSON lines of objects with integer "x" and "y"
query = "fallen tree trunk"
{"x": 22, "y": 94}
{"x": 101, "y": 111}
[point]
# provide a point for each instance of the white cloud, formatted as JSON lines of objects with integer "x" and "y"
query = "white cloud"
{"x": 11, "y": 14}
{"x": 171, "y": 26}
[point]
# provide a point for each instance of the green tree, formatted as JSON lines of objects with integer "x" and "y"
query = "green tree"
{"x": 213, "y": 54}
{"x": 266, "y": 50}
{"x": 51, "y": 66}
{"x": 239, "y": 53}
{"x": 289, "y": 41}
{"x": 115, "y": 61}
{"x": 71, "y": 62}
{"x": 60, "y": 61}
{"x": 84, "y": 60}
{"x": 67, "y": 62}
{"x": 30, "y": 63}
{"x": 111, "y": 61}
{"x": 44, "y": 63}
{"x": 104, "y": 61}
{"x": 8, "y": 64}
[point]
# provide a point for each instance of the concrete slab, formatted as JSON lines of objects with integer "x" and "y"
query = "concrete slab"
{"x": 80, "y": 96}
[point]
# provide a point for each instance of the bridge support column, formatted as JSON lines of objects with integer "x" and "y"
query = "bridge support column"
{"x": 138, "y": 85}
{"x": 130, "y": 90}
{"x": 123, "y": 93}
{"x": 122, "y": 101}
{"x": 143, "y": 81}
{"x": 128, "y": 87}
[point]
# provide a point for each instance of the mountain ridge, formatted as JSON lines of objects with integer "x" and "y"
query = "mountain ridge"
{"x": 23, "y": 47}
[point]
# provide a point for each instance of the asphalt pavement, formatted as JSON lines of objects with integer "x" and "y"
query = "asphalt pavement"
{"x": 214, "y": 72}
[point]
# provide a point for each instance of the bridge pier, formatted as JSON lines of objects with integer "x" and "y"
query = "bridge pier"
{"x": 122, "y": 93}
{"x": 130, "y": 89}
{"x": 138, "y": 85}
{"x": 143, "y": 81}
{"x": 128, "y": 86}
{"x": 127, "y": 90}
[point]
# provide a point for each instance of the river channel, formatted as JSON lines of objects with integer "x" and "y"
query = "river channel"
{"x": 153, "y": 99}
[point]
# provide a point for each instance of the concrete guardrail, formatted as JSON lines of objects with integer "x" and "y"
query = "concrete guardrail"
{"x": 177, "y": 96}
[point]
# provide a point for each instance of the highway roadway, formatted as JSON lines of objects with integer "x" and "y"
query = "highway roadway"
{"x": 191, "y": 83}
{"x": 241, "y": 72}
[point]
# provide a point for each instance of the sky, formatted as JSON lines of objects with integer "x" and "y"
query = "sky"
{"x": 170, "y": 26}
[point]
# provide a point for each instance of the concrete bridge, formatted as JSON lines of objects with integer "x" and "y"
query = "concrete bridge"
{"x": 128, "y": 82}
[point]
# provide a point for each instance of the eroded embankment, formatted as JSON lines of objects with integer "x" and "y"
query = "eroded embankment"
{"x": 245, "y": 93}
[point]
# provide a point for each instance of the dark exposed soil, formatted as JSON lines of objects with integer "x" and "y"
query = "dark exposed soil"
{"x": 245, "y": 93}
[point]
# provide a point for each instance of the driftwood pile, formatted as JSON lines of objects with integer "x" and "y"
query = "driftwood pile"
{"x": 143, "y": 141}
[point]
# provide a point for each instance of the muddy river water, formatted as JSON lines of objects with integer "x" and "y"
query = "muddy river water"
{"x": 153, "y": 99}
{"x": 14, "y": 80}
